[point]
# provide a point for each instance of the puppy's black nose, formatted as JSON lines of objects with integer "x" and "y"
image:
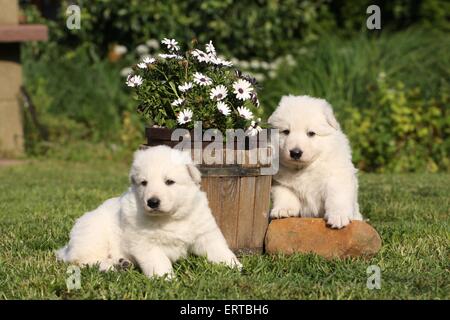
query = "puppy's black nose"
{"x": 153, "y": 202}
{"x": 295, "y": 153}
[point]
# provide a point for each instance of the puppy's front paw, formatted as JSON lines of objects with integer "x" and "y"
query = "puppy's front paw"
{"x": 105, "y": 266}
{"x": 283, "y": 213}
{"x": 168, "y": 276}
{"x": 337, "y": 222}
{"x": 125, "y": 264}
{"x": 235, "y": 264}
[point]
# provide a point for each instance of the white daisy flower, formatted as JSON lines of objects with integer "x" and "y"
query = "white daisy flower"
{"x": 224, "y": 62}
{"x": 210, "y": 48}
{"x": 125, "y": 72}
{"x": 170, "y": 56}
{"x": 171, "y": 44}
{"x": 142, "y": 65}
{"x": 134, "y": 81}
{"x": 148, "y": 60}
{"x": 185, "y": 86}
{"x": 218, "y": 93}
{"x": 245, "y": 113}
{"x": 120, "y": 50}
{"x": 184, "y": 116}
{"x": 220, "y": 62}
{"x": 178, "y": 102}
{"x": 152, "y": 43}
{"x": 254, "y": 129}
{"x": 142, "y": 49}
{"x": 201, "y": 79}
{"x": 223, "y": 108}
{"x": 200, "y": 55}
{"x": 242, "y": 89}
{"x": 213, "y": 59}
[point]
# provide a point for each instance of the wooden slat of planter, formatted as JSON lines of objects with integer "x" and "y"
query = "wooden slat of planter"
{"x": 164, "y": 136}
{"x": 232, "y": 170}
{"x": 261, "y": 210}
{"x": 214, "y": 198}
{"x": 21, "y": 33}
{"x": 245, "y": 220}
{"x": 229, "y": 210}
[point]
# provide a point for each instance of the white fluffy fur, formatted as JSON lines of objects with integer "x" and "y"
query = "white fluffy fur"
{"x": 126, "y": 227}
{"x": 322, "y": 183}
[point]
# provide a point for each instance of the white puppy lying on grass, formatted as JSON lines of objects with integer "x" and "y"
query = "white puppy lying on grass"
{"x": 163, "y": 216}
{"x": 316, "y": 177}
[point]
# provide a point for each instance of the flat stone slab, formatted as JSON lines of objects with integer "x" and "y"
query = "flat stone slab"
{"x": 312, "y": 235}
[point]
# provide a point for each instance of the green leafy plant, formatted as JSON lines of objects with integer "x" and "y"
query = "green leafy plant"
{"x": 177, "y": 88}
{"x": 402, "y": 132}
{"x": 391, "y": 94}
{"x": 265, "y": 29}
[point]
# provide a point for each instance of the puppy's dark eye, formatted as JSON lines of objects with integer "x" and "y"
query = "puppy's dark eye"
{"x": 144, "y": 183}
{"x": 311, "y": 133}
{"x": 169, "y": 182}
{"x": 286, "y": 132}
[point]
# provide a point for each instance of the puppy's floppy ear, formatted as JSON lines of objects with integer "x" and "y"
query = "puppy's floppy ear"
{"x": 331, "y": 119}
{"x": 137, "y": 154}
{"x": 132, "y": 176}
{"x": 273, "y": 119}
{"x": 194, "y": 173}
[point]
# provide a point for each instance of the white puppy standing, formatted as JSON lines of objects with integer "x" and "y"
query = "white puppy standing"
{"x": 316, "y": 177}
{"x": 163, "y": 216}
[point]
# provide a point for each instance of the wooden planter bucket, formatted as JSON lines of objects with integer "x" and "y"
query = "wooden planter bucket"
{"x": 238, "y": 194}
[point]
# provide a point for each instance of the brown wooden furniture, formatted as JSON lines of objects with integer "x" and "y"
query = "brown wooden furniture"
{"x": 21, "y": 33}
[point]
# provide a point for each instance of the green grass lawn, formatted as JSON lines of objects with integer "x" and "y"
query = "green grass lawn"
{"x": 39, "y": 202}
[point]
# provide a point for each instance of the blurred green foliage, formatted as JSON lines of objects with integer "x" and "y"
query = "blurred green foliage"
{"x": 76, "y": 100}
{"x": 402, "y": 131}
{"x": 395, "y": 14}
{"x": 243, "y": 29}
{"x": 390, "y": 89}
{"x": 391, "y": 94}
